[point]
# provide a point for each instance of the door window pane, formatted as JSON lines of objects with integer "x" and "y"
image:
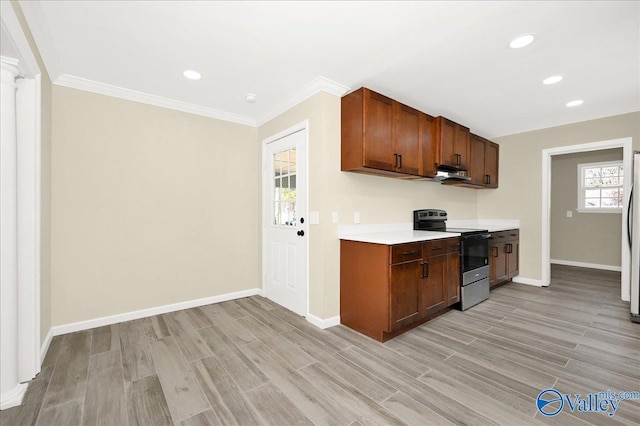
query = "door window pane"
{"x": 284, "y": 185}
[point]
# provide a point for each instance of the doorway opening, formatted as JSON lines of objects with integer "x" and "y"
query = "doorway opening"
{"x": 547, "y": 154}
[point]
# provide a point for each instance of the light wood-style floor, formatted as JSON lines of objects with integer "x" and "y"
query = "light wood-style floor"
{"x": 250, "y": 362}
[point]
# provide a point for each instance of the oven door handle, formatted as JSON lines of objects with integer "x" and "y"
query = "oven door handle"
{"x": 476, "y": 237}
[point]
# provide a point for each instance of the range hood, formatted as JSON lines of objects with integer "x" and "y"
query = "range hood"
{"x": 451, "y": 176}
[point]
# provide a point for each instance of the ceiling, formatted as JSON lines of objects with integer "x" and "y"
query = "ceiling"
{"x": 444, "y": 58}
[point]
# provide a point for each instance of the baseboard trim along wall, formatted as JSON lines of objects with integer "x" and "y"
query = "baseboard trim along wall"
{"x": 45, "y": 345}
{"x": 323, "y": 323}
{"x": 528, "y": 281}
{"x": 587, "y": 265}
{"x": 143, "y": 313}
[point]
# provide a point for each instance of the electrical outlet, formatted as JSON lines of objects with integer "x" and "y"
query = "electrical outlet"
{"x": 569, "y": 213}
{"x": 335, "y": 217}
{"x": 356, "y": 217}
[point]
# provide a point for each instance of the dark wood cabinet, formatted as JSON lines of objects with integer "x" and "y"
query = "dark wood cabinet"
{"x": 483, "y": 168}
{"x": 380, "y": 135}
{"x": 386, "y": 290}
{"x": 428, "y": 146}
{"x": 454, "y": 141}
{"x": 504, "y": 254}
{"x": 434, "y": 284}
{"x": 404, "y": 294}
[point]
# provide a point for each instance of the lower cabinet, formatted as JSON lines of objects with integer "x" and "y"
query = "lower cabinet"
{"x": 386, "y": 290}
{"x": 504, "y": 257}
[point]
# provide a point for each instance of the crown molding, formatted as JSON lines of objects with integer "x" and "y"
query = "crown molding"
{"x": 319, "y": 84}
{"x": 74, "y": 82}
{"x": 34, "y": 16}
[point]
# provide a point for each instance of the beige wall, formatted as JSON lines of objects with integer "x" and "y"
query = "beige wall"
{"x": 45, "y": 181}
{"x": 585, "y": 237}
{"x": 150, "y": 206}
{"x": 378, "y": 199}
{"x": 520, "y": 192}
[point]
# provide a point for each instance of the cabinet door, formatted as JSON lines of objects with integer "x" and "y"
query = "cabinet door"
{"x": 404, "y": 294}
{"x": 428, "y": 146}
{"x": 445, "y": 134}
{"x": 491, "y": 164}
{"x": 378, "y": 131}
{"x": 453, "y": 278}
{"x": 497, "y": 263}
{"x": 461, "y": 144}
{"x": 434, "y": 285}
{"x": 407, "y": 140}
{"x": 477, "y": 163}
{"x": 513, "y": 263}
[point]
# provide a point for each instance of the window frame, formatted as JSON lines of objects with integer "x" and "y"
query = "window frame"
{"x": 582, "y": 189}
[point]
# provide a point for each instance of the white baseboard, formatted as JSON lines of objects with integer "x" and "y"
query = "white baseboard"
{"x": 45, "y": 345}
{"x": 587, "y": 265}
{"x": 323, "y": 323}
{"x": 128, "y": 316}
{"x": 13, "y": 398}
{"x": 528, "y": 281}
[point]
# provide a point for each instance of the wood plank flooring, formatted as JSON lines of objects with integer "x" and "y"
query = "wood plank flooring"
{"x": 252, "y": 362}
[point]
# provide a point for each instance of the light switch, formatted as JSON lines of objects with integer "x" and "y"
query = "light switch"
{"x": 314, "y": 217}
{"x": 356, "y": 217}
{"x": 335, "y": 217}
{"x": 569, "y": 213}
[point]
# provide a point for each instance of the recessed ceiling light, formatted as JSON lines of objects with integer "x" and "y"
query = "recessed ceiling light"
{"x": 575, "y": 103}
{"x": 522, "y": 41}
{"x": 552, "y": 80}
{"x": 250, "y": 98}
{"x": 192, "y": 75}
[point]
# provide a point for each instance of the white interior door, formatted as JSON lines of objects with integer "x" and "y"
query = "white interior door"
{"x": 284, "y": 216}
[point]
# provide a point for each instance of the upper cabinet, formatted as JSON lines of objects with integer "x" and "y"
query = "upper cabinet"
{"x": 384, "y": 137}
{"x": 381, "y": 136}
{"x": 483, "y": 168}
{"x": 454, "y": 142}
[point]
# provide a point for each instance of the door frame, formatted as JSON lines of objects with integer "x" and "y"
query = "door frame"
{"x": 28, "y": 166}
{"x": 302, "y": 126}
{"x": 627, "y": 157}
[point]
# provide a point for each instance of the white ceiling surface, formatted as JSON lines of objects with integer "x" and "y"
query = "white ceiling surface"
{"x": 7, "y": 48}
{"x": 444, "y": 58}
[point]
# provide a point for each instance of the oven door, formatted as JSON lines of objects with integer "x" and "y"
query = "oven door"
{"x": 475, "y": 252}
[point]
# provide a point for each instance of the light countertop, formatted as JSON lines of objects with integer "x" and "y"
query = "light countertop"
{"x": 398, "y": 237}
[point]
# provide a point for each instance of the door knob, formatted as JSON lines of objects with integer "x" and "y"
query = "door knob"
{"x": 301, "y": 233}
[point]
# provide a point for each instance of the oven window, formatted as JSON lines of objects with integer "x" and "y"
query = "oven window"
{"x": 475, "y": 253}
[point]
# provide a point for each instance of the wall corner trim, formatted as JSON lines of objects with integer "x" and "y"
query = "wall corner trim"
{"x": 128, "y": 316}
{"x": 319, "y": 84}
{"x": 323, "y": 323}
{"x": 528, "y": 281}
{"x": 45, "y": 345}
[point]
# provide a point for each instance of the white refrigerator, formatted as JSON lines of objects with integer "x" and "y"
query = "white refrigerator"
{"x": 633, "y": 231}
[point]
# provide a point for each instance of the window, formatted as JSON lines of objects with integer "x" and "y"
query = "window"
{"x": 600, "y": 187}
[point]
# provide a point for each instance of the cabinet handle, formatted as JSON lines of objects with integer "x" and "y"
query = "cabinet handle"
{"x": 407, "y": 253}
{"x": 513, "y": 235}
{"x": 425, "y": 266}
{"x": 509, "y": 248}
{"x": 458, "y": 159}
{"x": 495, "y": 251}
{"x": 487, "y": 179}
{"x": 400, "y": 157}
{"x": 396, "y": 157}
{"x": 436, "y": 248}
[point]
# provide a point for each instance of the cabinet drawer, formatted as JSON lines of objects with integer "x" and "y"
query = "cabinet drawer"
{"x": 434, "y": 247}
{"x": 405, "y": 252}
{"x": 513, "y": 234}
{"x": 499, "y": 237}
{"x": 453, "y": 245}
